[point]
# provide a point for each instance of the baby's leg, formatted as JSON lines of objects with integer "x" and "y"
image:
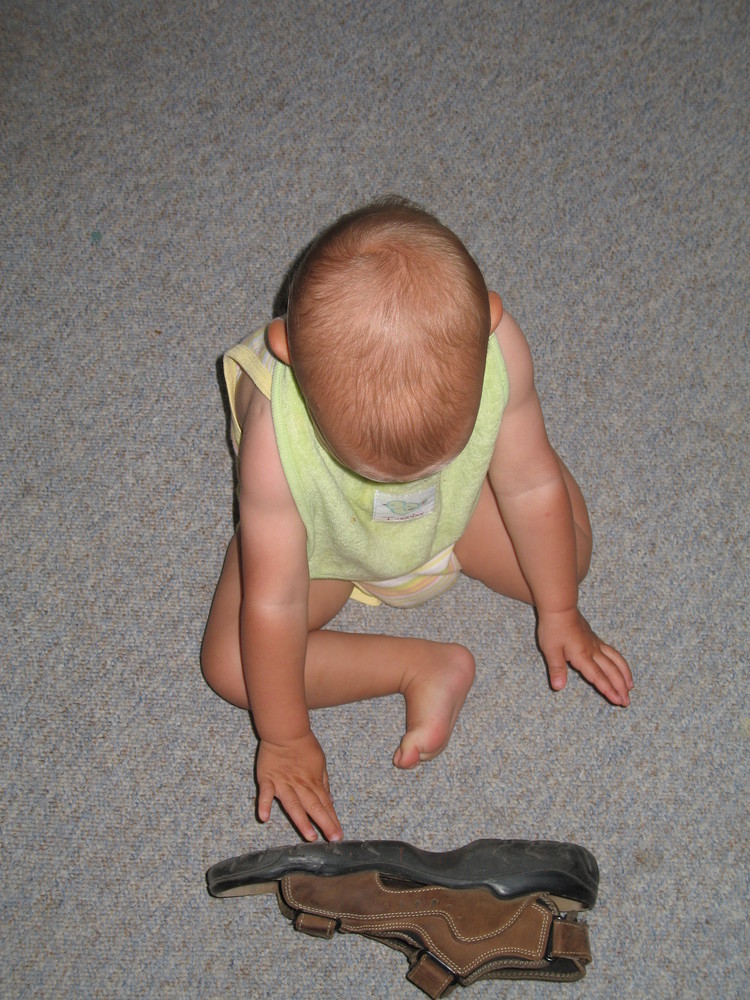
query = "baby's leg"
{"x": 221, "y": 659}
{"x": 342, "y": 667}
{"x": 486, "y": 552}
{"x": 433, "y": 677}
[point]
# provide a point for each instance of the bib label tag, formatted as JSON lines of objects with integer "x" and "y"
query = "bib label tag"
{"x": 387, "y": 507}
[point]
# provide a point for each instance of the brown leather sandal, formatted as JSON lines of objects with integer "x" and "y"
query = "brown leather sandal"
{"x": 503, "y": 909}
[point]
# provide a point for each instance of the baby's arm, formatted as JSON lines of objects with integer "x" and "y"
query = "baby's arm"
{"x": 527, "y": 480}
{"x": 274, "y": 626}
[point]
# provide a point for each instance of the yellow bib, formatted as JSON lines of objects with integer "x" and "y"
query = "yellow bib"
{"x": 358, "y": 529}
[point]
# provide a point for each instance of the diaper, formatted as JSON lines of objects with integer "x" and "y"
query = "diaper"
{"x": 415, "y": 588}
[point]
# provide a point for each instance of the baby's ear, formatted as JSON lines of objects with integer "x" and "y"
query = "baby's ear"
{"x": 278, "y": 340}
{"x": 496, "y": 311}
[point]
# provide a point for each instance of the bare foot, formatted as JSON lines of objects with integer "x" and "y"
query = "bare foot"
{"x": 435, "y": 692}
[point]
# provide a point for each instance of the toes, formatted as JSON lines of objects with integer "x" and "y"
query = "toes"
{"x": 407, "y": 756}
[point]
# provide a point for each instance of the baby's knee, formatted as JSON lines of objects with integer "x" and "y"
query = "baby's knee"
{"x": 584, "y": 548}
{"x": 221, "y": 674}
{"x": 209, "y": 661}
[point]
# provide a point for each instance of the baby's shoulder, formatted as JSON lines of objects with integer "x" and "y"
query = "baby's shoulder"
{"x": 515, "y": 351}
{"x": 259, "y": 464}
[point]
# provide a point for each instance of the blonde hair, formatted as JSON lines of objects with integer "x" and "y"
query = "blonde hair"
{"x": 388, "y": 325}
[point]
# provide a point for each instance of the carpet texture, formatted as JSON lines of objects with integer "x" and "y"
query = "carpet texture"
{"x": 162, "y": 166}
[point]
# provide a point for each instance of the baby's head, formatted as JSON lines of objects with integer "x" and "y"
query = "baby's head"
{"x": 387, "y": 327}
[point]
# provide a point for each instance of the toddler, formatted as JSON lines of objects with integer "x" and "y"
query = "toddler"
{"x": 388, "y": 437}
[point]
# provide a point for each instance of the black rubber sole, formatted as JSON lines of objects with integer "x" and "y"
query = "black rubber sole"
{"x": 508, "y": 868}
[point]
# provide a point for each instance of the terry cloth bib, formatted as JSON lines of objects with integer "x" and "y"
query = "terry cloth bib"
{"x": 358, "y": 529}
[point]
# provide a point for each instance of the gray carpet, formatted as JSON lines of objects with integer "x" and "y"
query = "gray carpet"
{"x": 162, "y": 165}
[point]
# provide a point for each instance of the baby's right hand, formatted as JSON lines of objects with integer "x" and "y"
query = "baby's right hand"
{"x": 295, "y": 774}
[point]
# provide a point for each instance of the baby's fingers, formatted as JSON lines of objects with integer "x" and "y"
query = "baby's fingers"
{"x": 291, "y": 804}
{"x": 309, "y": 804}
{"x": 557, "y": 669}
{"x": 621, "y": 663}
{"x": 264, "y": 801}
{"x": 607, "y": 677}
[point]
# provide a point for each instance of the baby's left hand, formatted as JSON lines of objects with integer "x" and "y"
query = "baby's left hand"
{"x": 565, "y": 637}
